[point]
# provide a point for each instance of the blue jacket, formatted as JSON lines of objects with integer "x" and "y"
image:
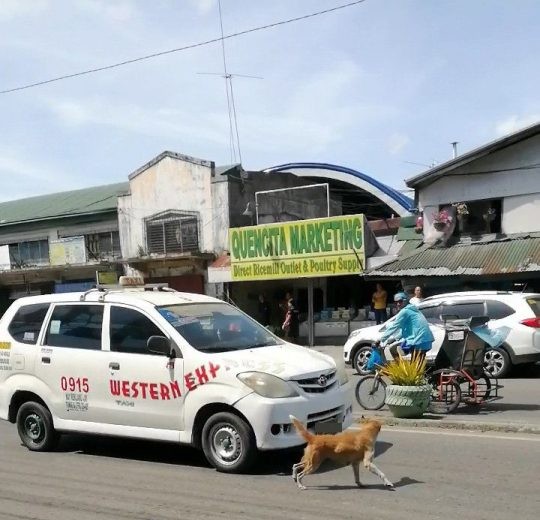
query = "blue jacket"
{"x": 413, "y": 326}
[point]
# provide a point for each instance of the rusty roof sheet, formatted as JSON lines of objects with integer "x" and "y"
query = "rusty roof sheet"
{"x": 486, "y": 256}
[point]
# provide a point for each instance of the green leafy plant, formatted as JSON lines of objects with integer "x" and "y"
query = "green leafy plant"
{"x": 406, "y": 372}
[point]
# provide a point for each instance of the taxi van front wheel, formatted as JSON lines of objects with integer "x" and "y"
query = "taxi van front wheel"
{"x": 228, "y": 443}
{"x": 35, "y": 427}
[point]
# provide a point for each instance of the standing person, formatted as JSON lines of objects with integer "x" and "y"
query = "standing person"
{"x": 418, "y": 296}
{"x": 264, "y": 311}
{"x": 291, "y": 324}
{"x": 412, "y": 326}
{"x": 379, "y": 304}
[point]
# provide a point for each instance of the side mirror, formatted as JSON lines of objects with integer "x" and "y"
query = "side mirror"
{"x": 160, "y": 345}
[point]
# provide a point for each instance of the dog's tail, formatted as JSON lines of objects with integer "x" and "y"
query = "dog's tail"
{"x": 301, "y": 429}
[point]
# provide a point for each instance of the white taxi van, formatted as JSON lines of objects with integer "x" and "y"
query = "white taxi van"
{"x": 149, "y": 362}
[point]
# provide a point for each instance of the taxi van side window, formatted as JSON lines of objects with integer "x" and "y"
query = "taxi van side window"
{"x": 75, "y": 326}
{"x": 130, "y": 330}
{"x": 27, "y": 322}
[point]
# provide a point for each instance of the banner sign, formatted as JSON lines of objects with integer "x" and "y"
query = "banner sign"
{"x": 70, "y": 250}
{"x": 329, "y": 246}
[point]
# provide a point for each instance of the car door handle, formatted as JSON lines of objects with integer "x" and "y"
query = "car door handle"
{"x": 114, "y": 366}
{"x": 46, "y": 360}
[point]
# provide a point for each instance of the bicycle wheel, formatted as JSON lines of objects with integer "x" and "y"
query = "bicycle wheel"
{"x": 483, "y": 389}
{"x": 371, "y": 392}
{"x": 445, "y": 397}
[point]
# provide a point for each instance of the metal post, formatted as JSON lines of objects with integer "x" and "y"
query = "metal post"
{"x": 311, "y": 324}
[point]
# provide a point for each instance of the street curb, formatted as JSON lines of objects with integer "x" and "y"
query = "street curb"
{"x": 455, "y": 425}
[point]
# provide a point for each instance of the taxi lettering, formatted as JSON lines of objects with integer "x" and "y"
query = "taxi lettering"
{"x": 145, "y": 390}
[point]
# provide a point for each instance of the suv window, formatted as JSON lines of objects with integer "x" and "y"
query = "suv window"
{"x": 130, "y": 330}
{"x": 27, "y": 322}
{"x": 534, "y": 304}
{"x": 75, "y": 326}
{"x": 497, "y": 310}
{"x": 463, "y": 310}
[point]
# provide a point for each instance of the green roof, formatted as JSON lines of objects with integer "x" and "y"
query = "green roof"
{"x": 488, "y": 255}
{"x": 97, "y": 199}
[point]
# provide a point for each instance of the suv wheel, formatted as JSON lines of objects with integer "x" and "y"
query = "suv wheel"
{"x": 35, "y": 427}
{"x": 360, "y": 360}
{"x": 497, "y": 362}
{"x": 228, "y": 443}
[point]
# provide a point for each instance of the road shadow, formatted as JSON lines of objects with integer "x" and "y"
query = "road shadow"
{"x": 402, "y": 482}
{"x": 491, "y": 407}
{"x": 132, "y": 449}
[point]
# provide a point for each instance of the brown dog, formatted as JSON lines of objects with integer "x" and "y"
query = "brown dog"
{"x": 349, "y": 447}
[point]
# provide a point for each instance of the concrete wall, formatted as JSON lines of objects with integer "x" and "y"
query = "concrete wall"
{"x": 171, "y": 182}
{"x": 220, "y": 223}
{"x": 505, "y": 174}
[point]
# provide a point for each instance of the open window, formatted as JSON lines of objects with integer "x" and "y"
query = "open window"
{"x": 478, "y": 217}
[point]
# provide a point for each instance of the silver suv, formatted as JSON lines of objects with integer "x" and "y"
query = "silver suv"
{"x": 519, "y": 312}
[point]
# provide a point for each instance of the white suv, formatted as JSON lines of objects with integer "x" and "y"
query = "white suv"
{"x": 519, "y": 312}
{"x": 153, "y": 363}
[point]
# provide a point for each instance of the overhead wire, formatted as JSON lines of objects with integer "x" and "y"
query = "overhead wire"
{"x": 184, "y": 48}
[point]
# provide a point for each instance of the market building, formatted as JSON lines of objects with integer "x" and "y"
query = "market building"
{"x": 479, "y": 221}
{"x": 300, "y": 206}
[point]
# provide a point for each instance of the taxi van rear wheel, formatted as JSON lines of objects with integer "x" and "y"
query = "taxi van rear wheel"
{"x": 35, "y": 427}
{"x": 228, "y": 443}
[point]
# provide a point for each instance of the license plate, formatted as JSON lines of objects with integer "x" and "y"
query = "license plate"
{"x": 456, "y": 335}
{"x": 324, "y": 427}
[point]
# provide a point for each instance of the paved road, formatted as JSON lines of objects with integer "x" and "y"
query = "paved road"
{"x": 519, "y": 401}
{"x": 437, "y": 475}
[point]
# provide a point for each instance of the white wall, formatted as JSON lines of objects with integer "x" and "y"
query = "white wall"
{"x": 169, "y": 184}
{"x": 519, "y": 189}
{"x": 220, "y": 204}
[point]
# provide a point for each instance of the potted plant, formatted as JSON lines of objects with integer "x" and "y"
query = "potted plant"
{"x": 462, "y": 212}
{"x": 490, "y": 214}
{"x": 441, "y": 220}
{"x": 409, "y": 394}
{"x": 419, "y": 224}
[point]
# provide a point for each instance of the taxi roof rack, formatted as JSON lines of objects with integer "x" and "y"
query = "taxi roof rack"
{"x": 125, "y": 282}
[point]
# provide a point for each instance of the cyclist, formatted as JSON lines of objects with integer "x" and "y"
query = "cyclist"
{"x": 412, "y": 326}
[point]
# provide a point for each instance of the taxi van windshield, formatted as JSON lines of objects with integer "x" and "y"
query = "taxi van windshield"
{"x": 217, "y": 327}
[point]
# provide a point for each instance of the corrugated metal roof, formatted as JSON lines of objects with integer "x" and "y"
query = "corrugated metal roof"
{"x": 511, "y": 254}
{"x": 64, "y": 204}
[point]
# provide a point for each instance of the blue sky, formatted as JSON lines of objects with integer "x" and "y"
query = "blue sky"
{"x": 371, "y": 87}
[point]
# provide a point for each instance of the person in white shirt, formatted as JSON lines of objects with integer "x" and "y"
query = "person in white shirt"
{"x": 418, "y": 296}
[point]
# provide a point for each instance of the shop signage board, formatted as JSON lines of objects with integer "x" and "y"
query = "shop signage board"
{"x": 329, "y": 246}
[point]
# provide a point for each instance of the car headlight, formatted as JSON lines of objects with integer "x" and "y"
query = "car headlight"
{"x": 267, "y": 385}
{"x": 342, "y": 376}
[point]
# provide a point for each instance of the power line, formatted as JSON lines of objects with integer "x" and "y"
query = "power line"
{"x": 186, "y": 47}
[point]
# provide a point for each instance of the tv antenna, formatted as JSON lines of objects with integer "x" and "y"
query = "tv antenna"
{"x": 234, "y": 137}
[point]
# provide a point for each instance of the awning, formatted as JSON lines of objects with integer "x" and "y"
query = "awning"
{"x": 488, "y": 255}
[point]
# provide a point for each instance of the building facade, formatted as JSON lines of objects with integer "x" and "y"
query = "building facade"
{"x": 478, "y": 224}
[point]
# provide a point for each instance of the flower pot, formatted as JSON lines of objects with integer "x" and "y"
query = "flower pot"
{"x": 439, "y": 226}
{"x": 408, "y": 401}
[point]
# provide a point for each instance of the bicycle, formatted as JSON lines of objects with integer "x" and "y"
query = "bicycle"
{"x": 461, "y": 361}
{"x": 370, "y": 391}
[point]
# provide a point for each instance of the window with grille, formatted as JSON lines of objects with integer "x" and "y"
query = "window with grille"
{"x": 173, "y": 232}
{"x": 27, "y": 254}
{"x": 103, "y": 246}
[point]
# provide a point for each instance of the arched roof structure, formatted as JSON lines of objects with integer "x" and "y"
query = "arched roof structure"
{"x": 348, "y": 181}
